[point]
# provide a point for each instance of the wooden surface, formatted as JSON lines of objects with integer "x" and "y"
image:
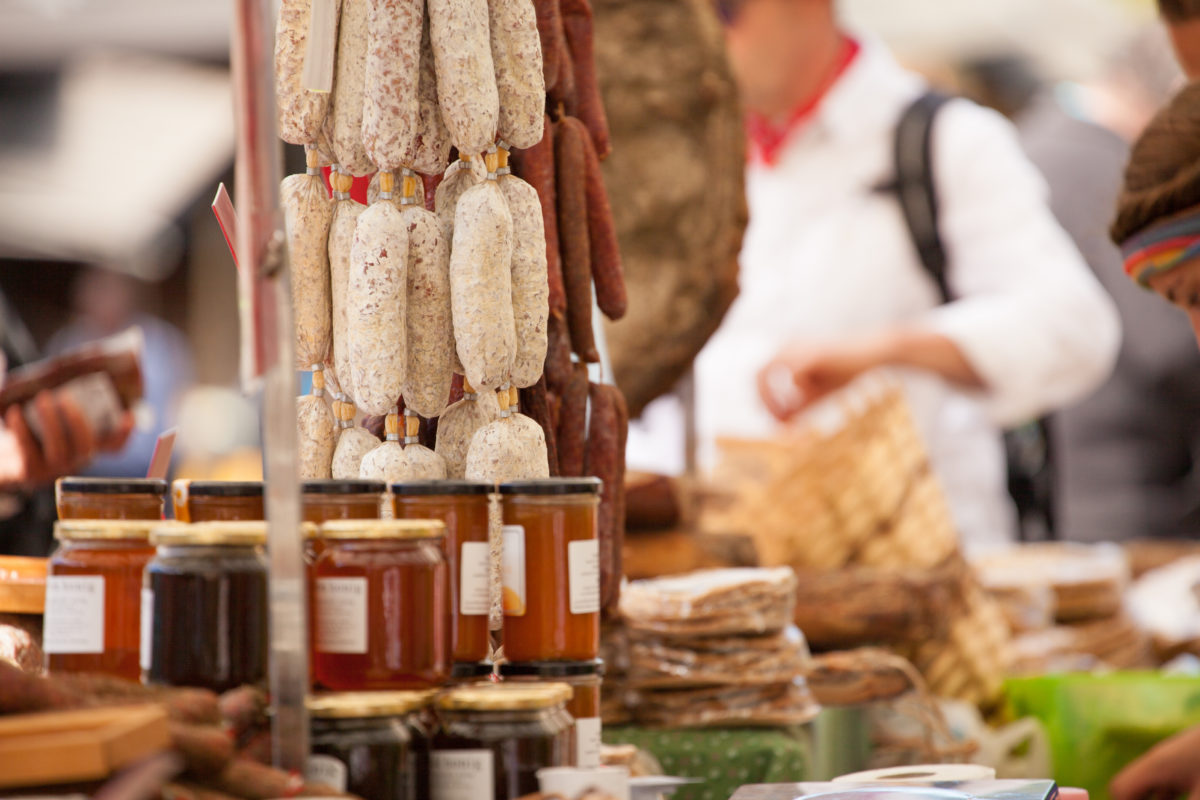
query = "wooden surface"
{"x": 70, "y": 746}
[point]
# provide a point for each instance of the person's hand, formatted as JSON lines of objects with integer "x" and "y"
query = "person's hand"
{"x": 802, "y": 374}
{"x": 67, "y": 441}
{"x": 1170, "y": 769}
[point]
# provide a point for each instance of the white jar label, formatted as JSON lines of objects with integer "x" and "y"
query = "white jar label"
{"x": 512, "y": 571}
{"x": 587, "y": 742}
{"x": 461, "y": 775}
{"x": 74, "y": 619}
{"x": 326, "y": 770}
{"x": 583, "y": 576}
{"x": 146, "y": 640}
{"x": 474, "y": 599}
{"x": 342, "y": 615}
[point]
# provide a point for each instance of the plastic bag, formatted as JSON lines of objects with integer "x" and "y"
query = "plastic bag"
{"x": 1099, "y": 723}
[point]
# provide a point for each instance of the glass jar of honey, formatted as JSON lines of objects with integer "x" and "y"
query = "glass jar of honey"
{"x": 109, "y": 498}
{"x": 326, "y": 500}
{"x": 585, "y": 679}
{"x": 204, "y": 606}
{"x": 463, "y": 506}
{"x": 217, "y": 501}
{"x": 93, "y": 596}
{"x": 492, "y": 740}
{"x": 363, "y": 743}
{"x": 551, "y": 569}
{"x": 380, "y": 606}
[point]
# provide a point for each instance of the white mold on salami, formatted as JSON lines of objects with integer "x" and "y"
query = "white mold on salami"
{"x": 307, "y": 213}
{"x": 352, "y": 445}
{"x": 376, "y": 300}
{"x": 349, "y": 89}
{"x": 317, "y": 434}
{"x": 391, "y": 109}
{"x": 530, "y": 287}
{"x": 520, "y": 84}
{"x": 457, "y": 427}
{"x": 466, "y": 76}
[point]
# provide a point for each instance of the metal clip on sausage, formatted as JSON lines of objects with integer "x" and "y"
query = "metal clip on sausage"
{"x": 412, "y": 428}
{"x": 391, "y": 426}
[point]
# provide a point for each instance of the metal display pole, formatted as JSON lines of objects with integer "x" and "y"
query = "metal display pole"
{"x": 267, "y": 361}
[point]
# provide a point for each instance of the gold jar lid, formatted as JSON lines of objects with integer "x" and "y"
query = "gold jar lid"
{"x": 382, "y": 529}
{"x": 506, "y": 697}
{"x": 97, "y": 530}
{"x": 247, "y": 533}
{"x": 353, "y": 705}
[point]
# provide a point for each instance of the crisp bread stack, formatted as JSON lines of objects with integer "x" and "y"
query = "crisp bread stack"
{"x": 716, "y": 647}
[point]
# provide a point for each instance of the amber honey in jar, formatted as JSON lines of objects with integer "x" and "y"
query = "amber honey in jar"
{"x": 324, "y": 500}
{"x": 463, "y": 506}
{"x": 217, "y": 501}
{"x": 110, "y": 498}
{"x": 205, "y": 599}
{"x": 492, "y": 740}
{"x": 93, "y": 611}
{"x": 585, "y": 679}
{"x": 365, "y": 743}
{"x": 379, "y": 605}
{"x": 551, "y": 569}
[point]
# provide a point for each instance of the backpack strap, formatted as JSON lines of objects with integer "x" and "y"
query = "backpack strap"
{"x": 915, "y": 187}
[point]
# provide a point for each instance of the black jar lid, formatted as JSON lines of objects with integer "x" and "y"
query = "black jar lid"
{"x": 553, "y": 486}
{"x": 465, "y": 670}
{"x": 222, "y": 488}
{"x": 441, "y": 488}
{"x": 552, "y": 669}
{"x": 343, "y": 487}
{"x": 80, "y": 485}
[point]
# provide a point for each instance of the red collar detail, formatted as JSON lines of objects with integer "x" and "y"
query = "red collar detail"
{"x": 767, "y": 138}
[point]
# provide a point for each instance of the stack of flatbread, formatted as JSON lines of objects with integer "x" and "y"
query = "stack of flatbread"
{"x": 716, "y": 647}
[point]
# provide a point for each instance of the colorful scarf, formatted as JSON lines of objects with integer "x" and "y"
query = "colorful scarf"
{"x": 1162, "y": 247}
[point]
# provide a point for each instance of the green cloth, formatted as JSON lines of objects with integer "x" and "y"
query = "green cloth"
{"x": 725, "y": 758}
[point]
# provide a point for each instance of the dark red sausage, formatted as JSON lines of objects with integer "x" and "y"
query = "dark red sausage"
{"x": 572, "y": 424}
{"x": 558, "y": 354}
{"x": 549, "y": 23}
{"x": 535, "y": 405}
{"x": 577, "y": 25}
{"x": 571, "y": 185}
{"x": 607, "y": 272}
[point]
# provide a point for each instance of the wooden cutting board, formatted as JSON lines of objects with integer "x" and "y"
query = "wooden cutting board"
{"x": 60, "y": 747}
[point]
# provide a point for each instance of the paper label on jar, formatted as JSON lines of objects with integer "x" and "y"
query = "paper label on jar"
{"x": 342, "y": 615}
{"x": 512, "y": 571}
{"x": 587, "y": 742}
{"x": 327, "y": 771}
{"x": 583, "y": 576}
{"x": 146, "y": 638}
{"x": 74, "y": 618}
{"x": 461, "y": 775}
{"x": 474, "y": 600}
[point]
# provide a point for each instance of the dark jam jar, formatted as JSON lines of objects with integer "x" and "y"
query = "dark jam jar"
{"x": 363, "y": 743}
{"x": 463, "y": 506}
{"x": 217, "y": 501}
{"x": 326, "y": 500}
{"x": 492, "y": 740}
{"x": 205, "y": 597}
{"x": 379, "y": 606}
{"x": 551, "y": 569}
{"x": 107, "y": 498}
{"x": 93, "y": 596}
{"x": 585, "y": 679}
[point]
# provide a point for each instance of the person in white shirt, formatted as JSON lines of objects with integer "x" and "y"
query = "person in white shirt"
{"x": 832, "y": 287}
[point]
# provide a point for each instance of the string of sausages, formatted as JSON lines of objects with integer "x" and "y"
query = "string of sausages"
{"x": 491, "y": 110}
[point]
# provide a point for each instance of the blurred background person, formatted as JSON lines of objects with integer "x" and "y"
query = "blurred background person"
{"x": 105, "y": 302}
{"x": 832, "y": 286}
{"x": 1125, "y": 458}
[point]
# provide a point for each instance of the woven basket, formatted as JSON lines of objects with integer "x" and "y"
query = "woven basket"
{"x": 864, "y": 496}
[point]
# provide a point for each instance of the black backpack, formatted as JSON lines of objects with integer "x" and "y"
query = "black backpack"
{"x": 1031, "y": 473}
